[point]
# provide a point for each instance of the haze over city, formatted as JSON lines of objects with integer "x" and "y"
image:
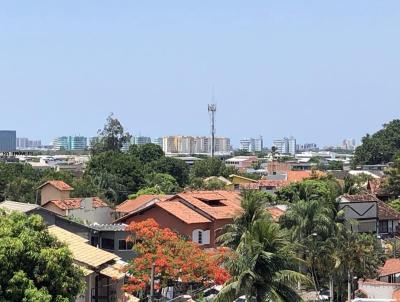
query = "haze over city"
{"x": 320, "y": 71}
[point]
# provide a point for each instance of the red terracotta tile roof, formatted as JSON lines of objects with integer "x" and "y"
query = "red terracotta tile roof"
{"x": 391, "y": 266}
{"x": 182, "y": 212}
{"x": 386, "y": 212}
{"x": 294, "y": 176}
{"x": 360, "y": 197}
{"x": 58, "y": 184}
{"x": 275, "y": 212}
{"x": 396, "y": 295}
{"x": 229, "y": 203}
{"x": 134, "y": 204}
{"x": 75, "y": 203}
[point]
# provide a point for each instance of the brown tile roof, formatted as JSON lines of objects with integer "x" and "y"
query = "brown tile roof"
{"x": 275, "y": 212}
{"x": 58, "y": 184}
{"x": 360, "y": 197}
{"x": 391, "y": 266}
{"x": 182, "y": 212}
{"x": 229, "y": 206}
{"x": 75, "y": 203}
{"x": 294, "y": 176}
{"x": 386, "y": 212}
{"x": 134, "y": 204}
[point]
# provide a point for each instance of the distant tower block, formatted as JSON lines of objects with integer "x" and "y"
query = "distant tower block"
{"x": 212, "y": 108}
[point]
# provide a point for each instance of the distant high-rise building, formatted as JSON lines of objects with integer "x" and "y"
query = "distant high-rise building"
{"x": 141, "y": 140}
{"x": 70, "y": 143}
{"x": 349, "y": 144}
{"x": 8, "y": 140}
{"x": 158, "y": 141}
{"x": 24, "y": 143}
{"x": 252, "y": 144}
{"x": 285, "y": 145}
{"x": 307, "y": 147}
{"x": 194, "y": 144}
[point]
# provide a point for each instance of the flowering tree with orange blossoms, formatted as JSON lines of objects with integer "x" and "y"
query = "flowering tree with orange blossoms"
{"x": 176, "y": 260}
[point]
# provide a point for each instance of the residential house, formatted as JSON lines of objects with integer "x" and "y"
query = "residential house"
{"x": 369, "y": 214}
{"x": 131, "y": 205}
{"x": 228, "y": 184}
{"x": 198, "y": 215}
{"x": 103, "y": 271}
{"x": 241, "y": 163}
{"x": 386, "y": 286}
{"x": 110, "y": 237}
{"x": 55, "y": 196}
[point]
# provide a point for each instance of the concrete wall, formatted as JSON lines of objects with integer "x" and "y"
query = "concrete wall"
{"x": 378, "y": 291}
{"x": 48, "y": 192}
{"x": 90, "y": 214}
{"x": 166, "y": 220}
{"x": 52, "y": 207}
{"x": 359, "y": 210}
{"x": 125, "y": 255}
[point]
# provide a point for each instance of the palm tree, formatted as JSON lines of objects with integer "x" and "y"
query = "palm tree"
{"x": 254, "y": 207}
{"x": 262, "y": 266}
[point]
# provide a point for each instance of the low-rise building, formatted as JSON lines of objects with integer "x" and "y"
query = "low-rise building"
{"x": 103, "y": 271}
{"x": 199, "y": 215}
{"x": 55, "y": 196}
{"x": 241, "y": 162}
{"x": 370, "y": 214}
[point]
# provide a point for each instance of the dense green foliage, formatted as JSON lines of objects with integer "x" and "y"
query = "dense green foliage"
{"x": 211, "y": 167}
{"x": 263, "y": 263}
{"x": 34, "y": 266}
{"x": 380, "y": 147}
{"x": 392, "y": 185}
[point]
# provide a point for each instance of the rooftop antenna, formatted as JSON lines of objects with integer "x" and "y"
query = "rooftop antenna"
{"x": 212, "y": 108}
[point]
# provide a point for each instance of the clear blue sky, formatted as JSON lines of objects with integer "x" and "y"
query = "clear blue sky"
{"x": 318, "y": 70}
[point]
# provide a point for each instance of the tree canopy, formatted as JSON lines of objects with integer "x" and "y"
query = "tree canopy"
{"x": 34, "y": 266}
{"x": 380, "y": 147}
{"x": 176, "y": 260}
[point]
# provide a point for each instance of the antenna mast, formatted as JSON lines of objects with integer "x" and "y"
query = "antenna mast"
{"x": 212, "y": 108}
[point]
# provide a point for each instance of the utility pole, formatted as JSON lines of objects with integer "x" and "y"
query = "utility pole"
{"x": 349, "y": 280}
{"x": 212, "y": 108}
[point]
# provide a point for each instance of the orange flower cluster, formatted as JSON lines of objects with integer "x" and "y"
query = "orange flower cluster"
{"x": 175, "y": 259}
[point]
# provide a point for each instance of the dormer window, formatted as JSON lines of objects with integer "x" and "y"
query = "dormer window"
{"x": 213, "y": 202}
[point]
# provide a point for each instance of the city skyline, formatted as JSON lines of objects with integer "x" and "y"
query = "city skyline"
{"x": 310, "y": 70}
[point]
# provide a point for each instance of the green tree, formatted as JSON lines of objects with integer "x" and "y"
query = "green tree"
{"x": 395, "y": 204}
{"x": 211, "y": 166}
{"x": 147, "y": 152}
{"x": 262, "y": 266}
{"x": 111, "y": 138}
{"x": 117, "y": 174}
{"x": 175, "y": 167}
{"x": 21, "y": 189}
{"x": 165, "y": 182}
{"x": 380, "y": 147}
{"x": 335, "y": 165}
{"x": 392, "y": 185}
{"x": 34, "y": 265}
{"x": 146, "y": 191}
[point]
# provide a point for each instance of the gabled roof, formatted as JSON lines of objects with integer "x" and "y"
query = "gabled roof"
{"x": 391, "y": 266}
{"x": 242, "y": 177}
{"x": 182, "y": 212}
{"x": 386, "y": 212}
{"x": 294, "y": 176}
{"x": 276, "y": 212}
{"x": 58, "y": 184}
{"x": 75, "y": 203}
{"x": 10, "y": 206}
{"x": 131, "y": 205}
{"x": 82, "y": 251}
{"x": 229, "y": 203}
{"x": 360, "y": 198}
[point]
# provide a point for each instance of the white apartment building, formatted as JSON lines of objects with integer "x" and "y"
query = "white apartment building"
{"x": 286, "y": 145}
{"x": 251, "y": 144}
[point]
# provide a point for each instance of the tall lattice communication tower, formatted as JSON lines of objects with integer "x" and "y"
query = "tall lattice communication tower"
{"x": 212, "y": 108}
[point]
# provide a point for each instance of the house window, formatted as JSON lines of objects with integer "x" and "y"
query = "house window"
{"x": 383, "y": 226}
{"x": 124, "y": 245}
{"x": 200, "y": 237}
{"x": 107, "y": 243}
